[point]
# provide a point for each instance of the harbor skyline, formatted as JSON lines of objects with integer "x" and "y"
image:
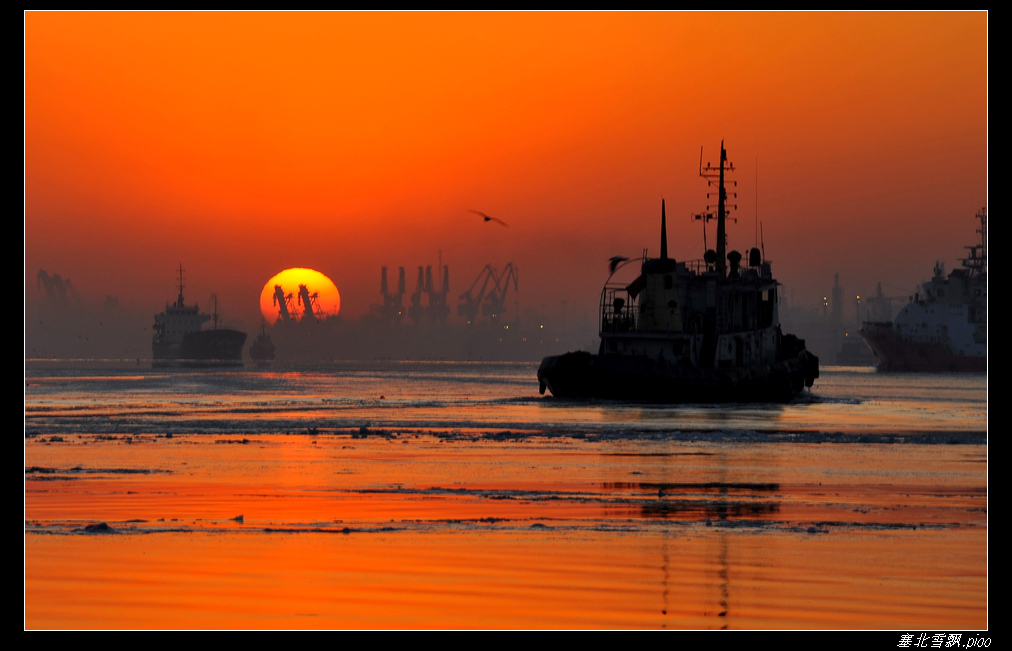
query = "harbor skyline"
{"x": 241, "y": 144}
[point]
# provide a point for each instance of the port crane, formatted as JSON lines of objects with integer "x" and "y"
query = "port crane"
{"x": 310, "y": 303}
{"x": 471, "y": 301}
{"x": 495, "y": 301}
{"x": 285, "y": 304}
{"x": 393, "y": 304}
{"x": 438, "y": 309}
{"x": 56, "y": 287}
{"x": 415, "y": 307}
{"x": 490, "y": 298}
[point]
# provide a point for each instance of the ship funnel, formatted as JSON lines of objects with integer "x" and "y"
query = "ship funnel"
{"x": 664, "y": 233}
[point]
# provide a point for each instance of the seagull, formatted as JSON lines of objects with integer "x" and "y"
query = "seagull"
{"x": 490, "y": 219}
{"x": 615, "y": 261}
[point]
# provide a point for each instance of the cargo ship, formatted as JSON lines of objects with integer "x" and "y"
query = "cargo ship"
{"x": 690, "y": 331}
{"x": 180, "y": 339}
{"x": 944, "y": 326}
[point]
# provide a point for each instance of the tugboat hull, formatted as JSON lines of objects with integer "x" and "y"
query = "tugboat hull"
{"x": 262, "y": 350}
{"x": 618, "y": 377}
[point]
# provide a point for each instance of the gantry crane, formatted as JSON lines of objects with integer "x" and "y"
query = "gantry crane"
{"x": 494, "y": 305}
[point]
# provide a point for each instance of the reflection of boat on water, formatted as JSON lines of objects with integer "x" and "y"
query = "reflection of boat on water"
{"x": 179, "y": 339}
{"x": 944, "y": 327}
{"x": 701, "y": 331}
{"x": 262, "y": 350}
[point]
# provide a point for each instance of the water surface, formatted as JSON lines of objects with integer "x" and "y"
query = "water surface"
{"x": 452, "y": 495}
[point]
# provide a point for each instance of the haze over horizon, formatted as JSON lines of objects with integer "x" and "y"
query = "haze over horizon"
{"x": 241, "y": 144}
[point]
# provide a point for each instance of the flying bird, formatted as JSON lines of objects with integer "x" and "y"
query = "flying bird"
{"x": 490, "y": 219}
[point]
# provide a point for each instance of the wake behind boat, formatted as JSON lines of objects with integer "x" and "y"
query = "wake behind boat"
{"x": 698, "y": 331}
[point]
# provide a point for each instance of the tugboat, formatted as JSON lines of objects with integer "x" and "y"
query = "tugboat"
{"x": 262, "y": 350}
{"x": 944, "y": 328}
{"x": 695, "y": 331}
{"x": 179, "y": 339}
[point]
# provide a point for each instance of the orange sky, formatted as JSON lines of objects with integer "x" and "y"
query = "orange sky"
{"x": 241, "y": 144}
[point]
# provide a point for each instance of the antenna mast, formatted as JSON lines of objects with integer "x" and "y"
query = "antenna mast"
{"x": 664, "y": 233}
{"x": 179, "y": 301}
{"x": 976, "y": 261}
{"x": 757, "y": 201}
{"x": 710, "y": 173}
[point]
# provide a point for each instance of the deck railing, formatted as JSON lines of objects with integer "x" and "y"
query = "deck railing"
{"x": 619, "y": 311}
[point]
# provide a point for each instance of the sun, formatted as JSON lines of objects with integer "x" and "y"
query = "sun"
{"x": 325, "y": 300}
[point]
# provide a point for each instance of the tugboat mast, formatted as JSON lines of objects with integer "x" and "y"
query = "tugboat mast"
{"x": 721, "y": 217}
{"x": 214, "y": 298}
{"x": 709, "y": 172}
{"x": 664, "y": 233}
{"x": 179, "y": 301}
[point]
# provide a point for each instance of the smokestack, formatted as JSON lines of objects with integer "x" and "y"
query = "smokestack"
{"x": 664, "y": 233}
